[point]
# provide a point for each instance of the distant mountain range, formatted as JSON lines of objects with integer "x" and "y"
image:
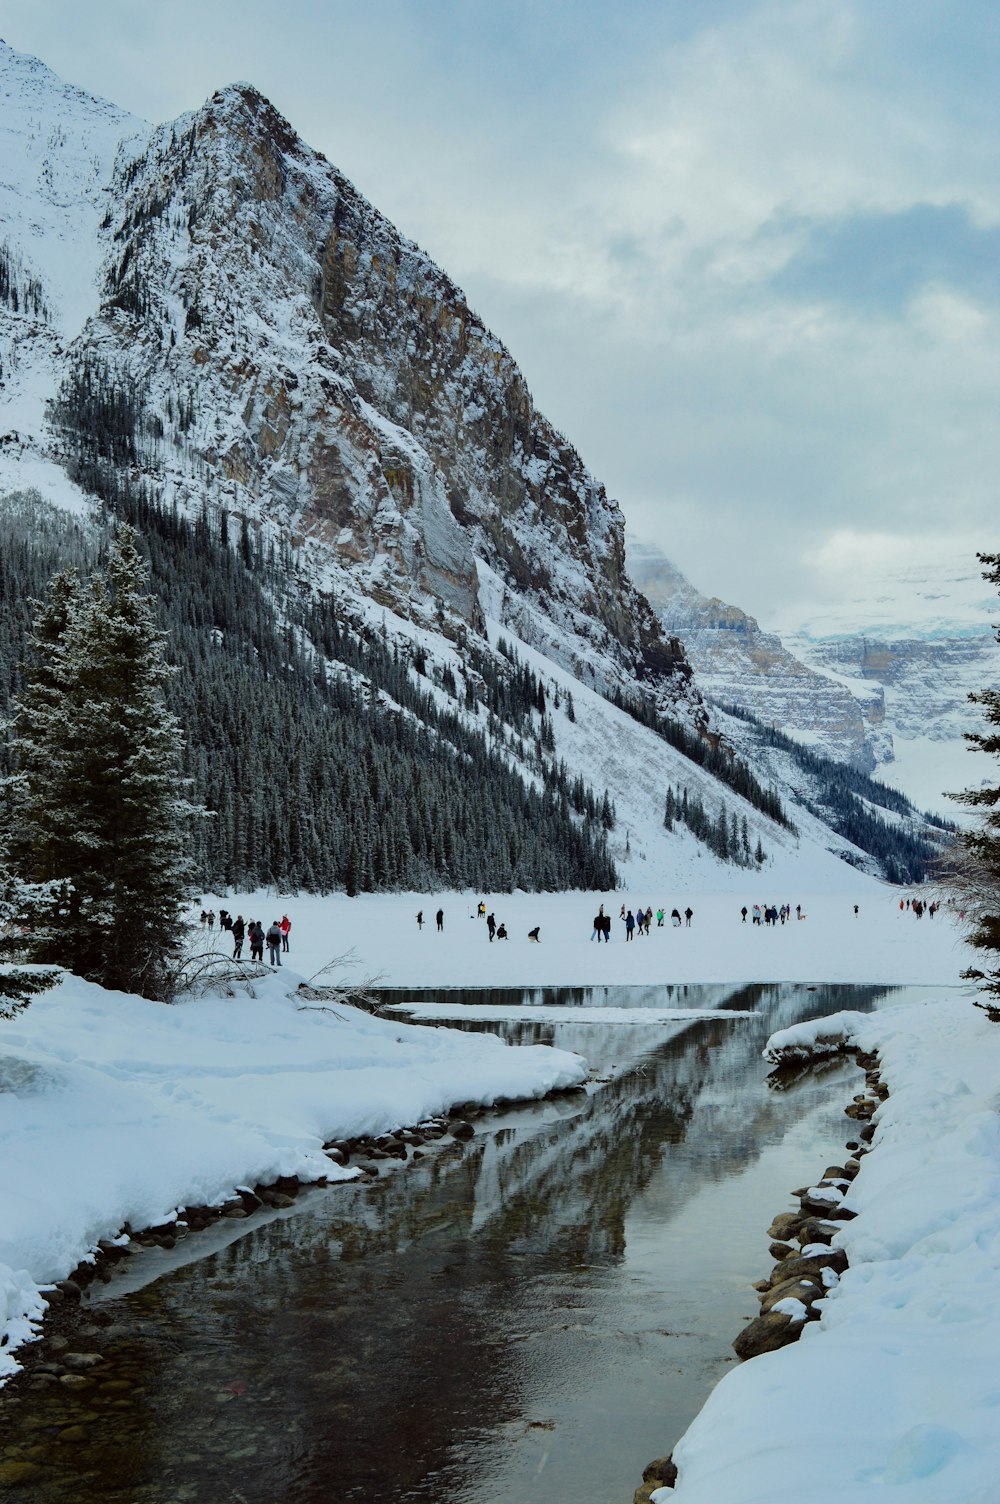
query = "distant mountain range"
{"x": 880, "y": 682}
{"x": 354, "y": 509}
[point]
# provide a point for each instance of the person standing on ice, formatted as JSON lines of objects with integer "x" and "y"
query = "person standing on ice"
{"x": 238, "y": 932}
{"x": 688, "y": 916}
{"x": 420, "y": 919}
{"x": 629, "y": 924}
{"x": 598, "y": 925}
{"x": 659, "y": 918}
{"x": 491, "y": 925}
{"x": 439, "y": 916}
{"x": 284, "y": 927}
{"x": 274, "y": 944}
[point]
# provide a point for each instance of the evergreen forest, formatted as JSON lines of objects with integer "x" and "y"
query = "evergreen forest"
{"x": 327, "y": 760}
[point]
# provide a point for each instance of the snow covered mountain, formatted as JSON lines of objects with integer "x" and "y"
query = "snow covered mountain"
{"x": 204, "y": 320}
{"x": 218, "y": 311}
{"x": 881, "y": 682}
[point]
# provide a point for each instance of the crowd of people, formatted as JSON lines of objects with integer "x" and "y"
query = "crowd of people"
{"x": 251, "y": 931}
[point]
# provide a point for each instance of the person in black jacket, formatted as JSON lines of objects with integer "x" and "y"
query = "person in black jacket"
{"x": 239, "y": 929}
{"x": 274, "y": 943}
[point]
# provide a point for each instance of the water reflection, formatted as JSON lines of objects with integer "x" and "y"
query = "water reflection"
{"x": 531, "y": 1315}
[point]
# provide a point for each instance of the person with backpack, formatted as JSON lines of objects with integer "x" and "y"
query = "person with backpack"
{"x": 274, "y": 943}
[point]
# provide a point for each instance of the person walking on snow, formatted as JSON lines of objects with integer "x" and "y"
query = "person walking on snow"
{"x": 274, "y": 944}
{"x": 238, "y": 932}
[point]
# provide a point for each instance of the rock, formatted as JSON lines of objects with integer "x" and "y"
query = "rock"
{"x": 852, "y": 1167}
{"x": 78, "y": 1362}
{"x": 834, "y": 1172}
{"x": 806, "y": 1290}
{"x": 659, "y": 1474}
{"x": 339, "y": 1156}
{"x": 73, "y": 1433}
{"x": 822, "y": 1202}
{"x": 785, "y": 1225}
{"x": 462, "y": 1129}
{"x": 58, "y": 1344}
{"x": 662, "y": 1472}
{"x": 75, "y": 1381}
{"x": 780, "y": 1250}
{"x": 277, "y": 1199}
{"x": 867, "y": 1133}
{"x": 250, "y": 1199}
{"x": 236, "y": 1212}
{"x": 765, "y": 1334}
{"x": 69, "y": 1288}
{"x": 809, "y": 1266}
{"x": 761, "y": 1284}
{"x": 14, "y": 1474}
{"x": 817, "y": 1230}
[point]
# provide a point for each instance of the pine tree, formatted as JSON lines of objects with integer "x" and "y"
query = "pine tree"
{"x": 978, "y": 881}
{"x": 19, "y": 903}
{"x": 96, "y": 804}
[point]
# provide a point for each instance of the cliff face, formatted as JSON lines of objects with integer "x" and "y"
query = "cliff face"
{"x": 738, "y": 664}
{"x": 263, "y": 341}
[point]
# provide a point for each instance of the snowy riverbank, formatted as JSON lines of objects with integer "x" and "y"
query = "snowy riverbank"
{"x": 893, "y": 1394}
{"x": 115, "y": 1109}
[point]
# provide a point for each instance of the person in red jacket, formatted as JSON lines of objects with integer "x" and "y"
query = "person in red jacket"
{"x": 284, "y": 927}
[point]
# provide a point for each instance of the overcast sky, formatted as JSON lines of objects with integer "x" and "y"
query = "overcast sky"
{"x": 747, "y": 254}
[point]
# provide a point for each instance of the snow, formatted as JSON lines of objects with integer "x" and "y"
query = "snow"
{"x": 901, "y": 1367}
{"x": 881, "y": 944}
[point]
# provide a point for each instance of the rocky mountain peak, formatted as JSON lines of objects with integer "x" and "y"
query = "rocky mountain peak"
{"x": 278, "y": 349}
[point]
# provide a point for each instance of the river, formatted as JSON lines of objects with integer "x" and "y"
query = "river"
{"x": 531, "y": 1315}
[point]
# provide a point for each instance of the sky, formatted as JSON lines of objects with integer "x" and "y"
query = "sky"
{"x": 744, "y": 251}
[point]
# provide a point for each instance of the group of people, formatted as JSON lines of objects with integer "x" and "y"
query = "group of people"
{"x": 769, "y": 913}
{"x": 638, "y": 920}
{"x": 919, "y": 908}
{"x": 252, "y": 930}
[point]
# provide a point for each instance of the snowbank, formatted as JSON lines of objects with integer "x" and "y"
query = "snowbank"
{"x": 893, "y": 1394}
{"x": 116, "y": 1109}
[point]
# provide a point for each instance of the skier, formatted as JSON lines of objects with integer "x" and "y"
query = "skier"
{"x": 274, "y": 943}
{"x": 284, "y": 927}
{"x": 238, "y": 932}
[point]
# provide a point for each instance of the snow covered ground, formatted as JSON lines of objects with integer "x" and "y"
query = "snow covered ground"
{"x": 894, "y": 1393}
{"x": 880, "y": 944}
